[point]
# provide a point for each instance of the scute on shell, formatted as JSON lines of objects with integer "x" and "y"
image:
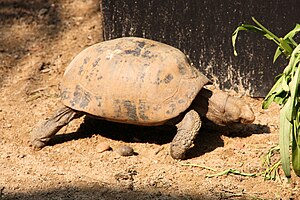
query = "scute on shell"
{"x": 131, "y": 80}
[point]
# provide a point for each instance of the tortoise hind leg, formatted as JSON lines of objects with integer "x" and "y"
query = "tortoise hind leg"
{"x": 187, "y": 130}
{"x": 46, "y": 129}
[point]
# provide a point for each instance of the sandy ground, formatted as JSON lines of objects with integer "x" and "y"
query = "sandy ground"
{"x": 37, "y": 41}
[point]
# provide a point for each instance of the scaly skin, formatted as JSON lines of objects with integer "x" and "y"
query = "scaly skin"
{"x": 218, "y": 107}
{"x": 46, "y": 129}
{"x": 187, "y": 130}
{"x": 222, "y": 109}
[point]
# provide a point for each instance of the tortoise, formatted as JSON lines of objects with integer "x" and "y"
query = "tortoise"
{"x": 143, "y": 82}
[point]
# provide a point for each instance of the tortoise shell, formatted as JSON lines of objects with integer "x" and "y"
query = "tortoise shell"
{"x": 131, "y": 80}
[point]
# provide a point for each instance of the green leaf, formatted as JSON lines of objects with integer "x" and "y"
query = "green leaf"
{"x": 245, "y": 27}
{"x": 196, "y": 165}
{"x": 284, "y": 83}
{"x": 296, "y": 157}
{"x": 292, "y": 33}
{"x": 296, "y": 146}
{"x": 286, "y": 49}
{"x": 277, "y": 54}
{"x": 294, "y": 84}
{"x": 284, "y": 140}
{"x": 294, "y": 61}
{"x": 281, "y": 98}
{"x": 275, "y": 91}
{"x": 268, "y": 34}
{"x": 282, "y": 43}
{"x": 234, "y": 36}
{"x": 268, "y": 101}
{"x": 231, "y": 171}
{"x": 288, "y": 38}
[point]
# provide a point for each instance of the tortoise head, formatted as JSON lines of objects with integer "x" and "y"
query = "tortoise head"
{"x": 223, "y": 109}
{"x": 236, "y": 110}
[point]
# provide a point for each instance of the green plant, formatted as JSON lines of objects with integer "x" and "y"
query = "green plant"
{"x": 271, "y": 171}
{"x": 225, "y": 172}
{"x": 284, "y": 92}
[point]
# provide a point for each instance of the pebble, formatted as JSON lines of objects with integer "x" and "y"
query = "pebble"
{"x": 125, "y": 150}
{"x": 7, "y": 126}
{"x": 103, "y": 146}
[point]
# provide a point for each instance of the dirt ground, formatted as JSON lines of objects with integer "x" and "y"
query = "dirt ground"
{"x": 38, "y": 38}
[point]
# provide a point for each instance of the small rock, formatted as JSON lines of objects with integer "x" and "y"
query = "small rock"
{"x": 125, "y": 150}
{"x": 103, "y": 146}
{"x": 7, "y": 126}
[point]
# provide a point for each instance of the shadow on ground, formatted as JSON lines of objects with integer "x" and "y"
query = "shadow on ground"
{"x": 22, "y": 24}
{"x": 208, "y": 139}
{"x": 100, "y": 191}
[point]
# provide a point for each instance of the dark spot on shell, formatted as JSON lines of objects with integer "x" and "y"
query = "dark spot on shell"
{"x": 117, "y": 108}
{"x": 76, "y": 96}
{"x": 182, "y": 68}
{"x": 157, "y": 107}
{"x": 99, "y": 77}
{"x": 158, "y": 80}
{"x": 147, "y": 54}
{"x": 131, "y": 110}
{"x": 99, "y": 50}
{"x": 142, "y": 77}
{"x": 135, "y": 52}
{"x": 81, "y": 68}
{"x": 95, "y": 63}
{"x": 142, "y": 108}
{"x": 86, "y": 60}
{"x": 168, "y": 78}
{"x": 99, "y": 100}
{"x": 172, "y": 109}
{"x": 141, "y": 44}
{"x": 88, "y": 77}
{"x": 85, "y": 101}
{"x": 181, "y": 101}
{"x": 65, "y": 94}
{"x": 80, "y": 97}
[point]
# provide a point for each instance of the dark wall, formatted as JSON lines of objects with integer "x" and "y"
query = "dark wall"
{"x": 203, "y": 29}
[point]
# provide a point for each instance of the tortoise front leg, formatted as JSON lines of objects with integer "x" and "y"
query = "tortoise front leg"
{"x": 46, "y": 129}
{"x": 187, "y": 130}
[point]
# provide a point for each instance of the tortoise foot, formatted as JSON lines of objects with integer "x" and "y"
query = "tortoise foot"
{"x": 187, "y": 130}
{"x": 46, "y": 129}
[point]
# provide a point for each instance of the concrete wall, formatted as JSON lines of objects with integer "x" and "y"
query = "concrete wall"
{"x": 203, "y": 29}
